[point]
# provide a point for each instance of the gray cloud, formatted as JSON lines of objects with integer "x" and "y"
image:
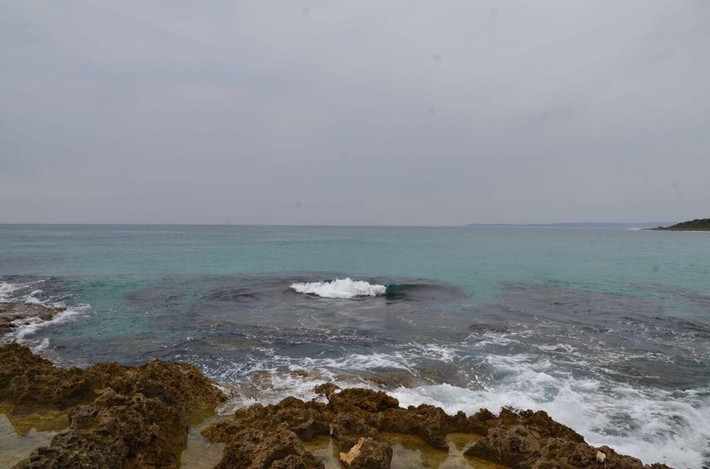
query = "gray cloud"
{"x": 354, "y": 112}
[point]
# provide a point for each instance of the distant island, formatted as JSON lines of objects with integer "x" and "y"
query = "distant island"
{"x": 572, "y": 225}
{"x": 699, "y": 224}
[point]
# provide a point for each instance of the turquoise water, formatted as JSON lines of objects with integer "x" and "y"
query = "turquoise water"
{"x": 479, "y": 260}
{"x": 608, "y": 329}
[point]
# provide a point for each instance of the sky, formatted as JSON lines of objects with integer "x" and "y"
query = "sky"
{"x": 354, "y": 113}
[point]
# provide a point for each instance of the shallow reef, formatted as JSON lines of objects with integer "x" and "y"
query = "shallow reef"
{"x": 111, "y": 415}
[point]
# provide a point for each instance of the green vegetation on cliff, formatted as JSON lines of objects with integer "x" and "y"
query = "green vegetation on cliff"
{"x": 699, "y": 224}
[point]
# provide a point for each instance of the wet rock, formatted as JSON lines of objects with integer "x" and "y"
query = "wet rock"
{"x": 326, "y": 389}
{"x": 356, "y": 418}
{"x": 481, "y": 421}
{"x": 429, "y": 423}
{"x": 14, "y": 314}
{"x": 306, "y": 419}
{"x": 355, "y": 413}
{"x": 367, "y": 453}
{"x": 29, "y": 383}
{"x": 362, "y": 399}
{"x": 119, "y": 416}
{"x": 260, "y": 449}
{"x": 179, "y": 385}
{"x": 116, "y": 431}
{"x": 533, "y": 440}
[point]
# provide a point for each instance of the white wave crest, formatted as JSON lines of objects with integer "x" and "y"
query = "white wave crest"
{"x": 18, "y": 292}
{"x": 340, "y": 288}
{"x": 6, "y": 290}
{"x": 25, "y": 328}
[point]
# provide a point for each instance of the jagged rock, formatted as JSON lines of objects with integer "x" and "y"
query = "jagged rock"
{"x": 353, "y": 417}
{"x": 29, "y": 383}
{"x": 119, "y": 416}
{"x": 429, "y": 423}
{"x": 532, "y": 440}
{"x": 116, "y": 431}
{"x": 364, "y": 399}
{"x": 326, "y": 389}
{"x": 306, "y": 419}
{"x": 368, "y": 454}
{"x": 260, "y": 449}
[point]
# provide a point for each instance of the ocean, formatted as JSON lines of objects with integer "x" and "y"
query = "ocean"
{"x": 605, "y": 328}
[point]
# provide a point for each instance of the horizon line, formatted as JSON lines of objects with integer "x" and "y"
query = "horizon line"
{"x": 318, "y": 225}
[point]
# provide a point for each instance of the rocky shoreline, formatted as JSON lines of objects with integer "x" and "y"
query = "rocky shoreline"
{"x": 112, "y": 415}
{"x": 13, "y": 315}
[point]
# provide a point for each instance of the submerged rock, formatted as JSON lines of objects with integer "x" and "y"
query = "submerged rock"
{"x": 326, "y": 389}
{"x": 14, "y": 314}
{"x": 119, "y": 416}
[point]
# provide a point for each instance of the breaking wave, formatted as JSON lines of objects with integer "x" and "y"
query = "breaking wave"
{"x": 24, "y": 292}
{"x": 24, "y": 329}
{"x": 340, "y": 288}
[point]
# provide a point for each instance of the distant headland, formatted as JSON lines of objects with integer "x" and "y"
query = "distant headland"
{"x": 699, "y": 224}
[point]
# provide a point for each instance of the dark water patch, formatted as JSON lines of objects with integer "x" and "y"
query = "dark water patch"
{"x": 271, "y": 303}
{"x": 420, "y": 290}
{"x": 234, "y": 296}
{"x": 561, "y": 304}
{"x": 622, "y": 337}
{"x": 155, "y": 296}
{"x": 680, "y": 302}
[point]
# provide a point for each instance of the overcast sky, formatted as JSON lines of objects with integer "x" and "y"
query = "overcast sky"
{"x": 354, "y": 112}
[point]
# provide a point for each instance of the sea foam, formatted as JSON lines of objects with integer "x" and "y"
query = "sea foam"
{"x": 652, "y": 424}
{"x": 24, "y": 328}
{"x": 340, "y": 288}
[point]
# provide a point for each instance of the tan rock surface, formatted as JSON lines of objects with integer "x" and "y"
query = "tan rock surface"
{"x": 119, "y": 416}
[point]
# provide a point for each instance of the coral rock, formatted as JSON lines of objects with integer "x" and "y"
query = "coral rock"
{"x": 259, "y": 449}
{"x": 119, "y": 416}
